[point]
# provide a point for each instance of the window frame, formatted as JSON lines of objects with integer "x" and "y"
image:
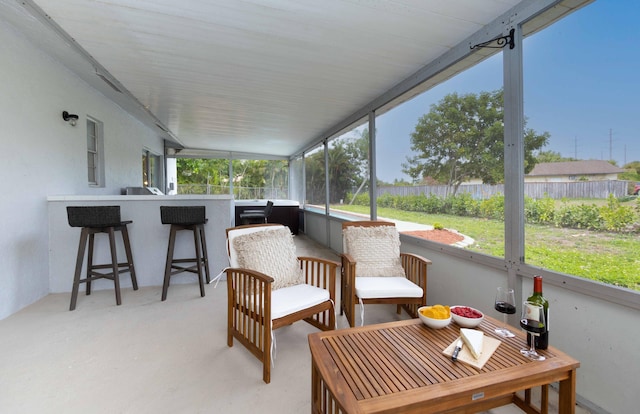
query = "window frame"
{"x": 154, "y": 173}
{"x": 95, "y": 133}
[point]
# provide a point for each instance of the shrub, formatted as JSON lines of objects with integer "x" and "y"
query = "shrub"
{"x": 612, "y": 217}
{"x": 387, "y": 200}
{"x": 464, "y": 205}
{"x": 616, "y": 217}
{"x": 432, "y": 204}
{"x": 540, "y": 211}
{"x": 493, "y": 207}
{"x": 583, "y": 216}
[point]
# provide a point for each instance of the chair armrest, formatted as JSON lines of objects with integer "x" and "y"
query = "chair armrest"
{"x": 411, "y": 256}
{"x": 348, "y": 266}
{"x": 347, "y": 258}
{"x": 248, "y": 273}
{"x": 320, "y": 273}
{"x": 249, "y": 293}
{"x": 415, "y": 268}
{"x": 348, "y": 270}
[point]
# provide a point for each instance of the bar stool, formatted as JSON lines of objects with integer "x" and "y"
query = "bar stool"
{"x": 186, "y": 218}
{"x": 257, "y": 216}
{"x": 93, "y": 220}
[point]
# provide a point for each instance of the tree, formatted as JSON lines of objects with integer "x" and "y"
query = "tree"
{"x": 348, "y": 169}
{"x": 635, "y": 165}
{"x": 461, "y": 138}
{"x": 551, "y": 156}
{"x": 249, "y": 176}
{"x": 202, "y": 171}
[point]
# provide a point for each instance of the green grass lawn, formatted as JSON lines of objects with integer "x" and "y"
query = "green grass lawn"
{"x": 611, "y": 258}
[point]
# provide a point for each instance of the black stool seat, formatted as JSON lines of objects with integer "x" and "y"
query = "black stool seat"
{"x": 191, "y": 218}
{"x": 93, "y": 220}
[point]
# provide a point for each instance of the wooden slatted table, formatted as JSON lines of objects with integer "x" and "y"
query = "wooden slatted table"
{"x": 399, "y": 367}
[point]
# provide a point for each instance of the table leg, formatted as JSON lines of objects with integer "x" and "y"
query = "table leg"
{"x": 544, "y": 399}
{"x": 567, "y": 394}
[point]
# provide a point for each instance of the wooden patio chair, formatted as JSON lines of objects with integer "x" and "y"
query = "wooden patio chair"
{"x": 269, "y": 287}
{"x": 375, "y": 272}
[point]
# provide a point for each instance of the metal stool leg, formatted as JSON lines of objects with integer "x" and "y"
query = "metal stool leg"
{"x": 114, "y": 265}
{"x": 167, "y": 267}
{"x": 197, "y": 242}
{"x": 92, "y": 236}
{"x": 127, "y": 249}
{"x": 205, "y": 254}
{"x": 76, "y": 276}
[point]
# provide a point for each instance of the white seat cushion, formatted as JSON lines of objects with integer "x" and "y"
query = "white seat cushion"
{"x": 386, "y": 287}
{"x": 292, "y": 299}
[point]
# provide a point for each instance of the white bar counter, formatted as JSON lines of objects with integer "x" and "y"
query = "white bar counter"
{"x": 148, "y": 236}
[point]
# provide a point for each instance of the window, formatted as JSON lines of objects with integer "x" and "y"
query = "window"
{"x": 296, "y": 177}
{"x": 315, "y": 182}
{"x": 588, "y": 103}
{"x": 437, "y": 166}
{"x": 349, "y": 171}
{"x": 203, "y": 176}
{"x": 260, "y": 179}
{"x": 95, "y": 153}
{"x": 250, "y": 179}
{"x": 151, "y": 170}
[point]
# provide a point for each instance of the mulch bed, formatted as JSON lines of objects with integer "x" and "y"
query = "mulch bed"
{"x": 441, "y": 236}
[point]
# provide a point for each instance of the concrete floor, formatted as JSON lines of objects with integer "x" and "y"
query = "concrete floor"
{"x": 148, "y": 356}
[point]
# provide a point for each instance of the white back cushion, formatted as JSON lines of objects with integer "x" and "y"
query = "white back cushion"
{"x": 233, "y": 233}
{"x": 376, "y": 250}
{"x": 271, "y": 252}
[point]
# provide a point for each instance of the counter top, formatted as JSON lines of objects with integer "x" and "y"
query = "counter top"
{"x": 138, "y": 197}
{"x": 276, "y": 203}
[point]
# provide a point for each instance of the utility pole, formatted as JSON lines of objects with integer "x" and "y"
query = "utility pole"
{"x": 610, "y": 144}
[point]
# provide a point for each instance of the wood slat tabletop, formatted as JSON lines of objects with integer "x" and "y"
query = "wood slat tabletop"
{"x": 400, "y": 367}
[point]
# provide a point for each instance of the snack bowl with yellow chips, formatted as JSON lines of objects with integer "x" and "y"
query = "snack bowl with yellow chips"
{"x": 436, "y": 316}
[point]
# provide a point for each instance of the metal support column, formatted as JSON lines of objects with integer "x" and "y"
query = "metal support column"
{"x": 373, "y": 184}
{"x": 514, "y": 160}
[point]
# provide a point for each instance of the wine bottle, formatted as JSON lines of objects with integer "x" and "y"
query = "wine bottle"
{"x": 542, "y": 340}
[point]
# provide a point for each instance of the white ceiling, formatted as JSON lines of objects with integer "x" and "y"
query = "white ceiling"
{"x": 251, "y": 76}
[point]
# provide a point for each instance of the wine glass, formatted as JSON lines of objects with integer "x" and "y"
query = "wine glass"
{"x": 505, "y": 304}
{"x": 532, "y": 321}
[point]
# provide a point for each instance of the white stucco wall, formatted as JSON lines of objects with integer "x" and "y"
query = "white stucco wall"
{"x": 43, "y": 156}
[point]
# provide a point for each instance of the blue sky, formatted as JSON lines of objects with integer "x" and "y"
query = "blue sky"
{"x": 580, "y": 85}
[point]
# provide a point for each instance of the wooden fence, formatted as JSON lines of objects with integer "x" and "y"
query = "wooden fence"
{"x": 555, "y": 190}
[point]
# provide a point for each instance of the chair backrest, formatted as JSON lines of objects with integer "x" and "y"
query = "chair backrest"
{"x": 269, "y": 250}
{"x": 268, "y": 209}
{"x": 93, "y": 216}
{"x": 361, "y": 223}
{"x": 375, "y": 246}
{"x": 234, "y": 232}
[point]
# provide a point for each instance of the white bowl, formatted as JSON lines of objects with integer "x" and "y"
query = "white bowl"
{"x": 464, "y": 321}
{"x": 433, "y": 323}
